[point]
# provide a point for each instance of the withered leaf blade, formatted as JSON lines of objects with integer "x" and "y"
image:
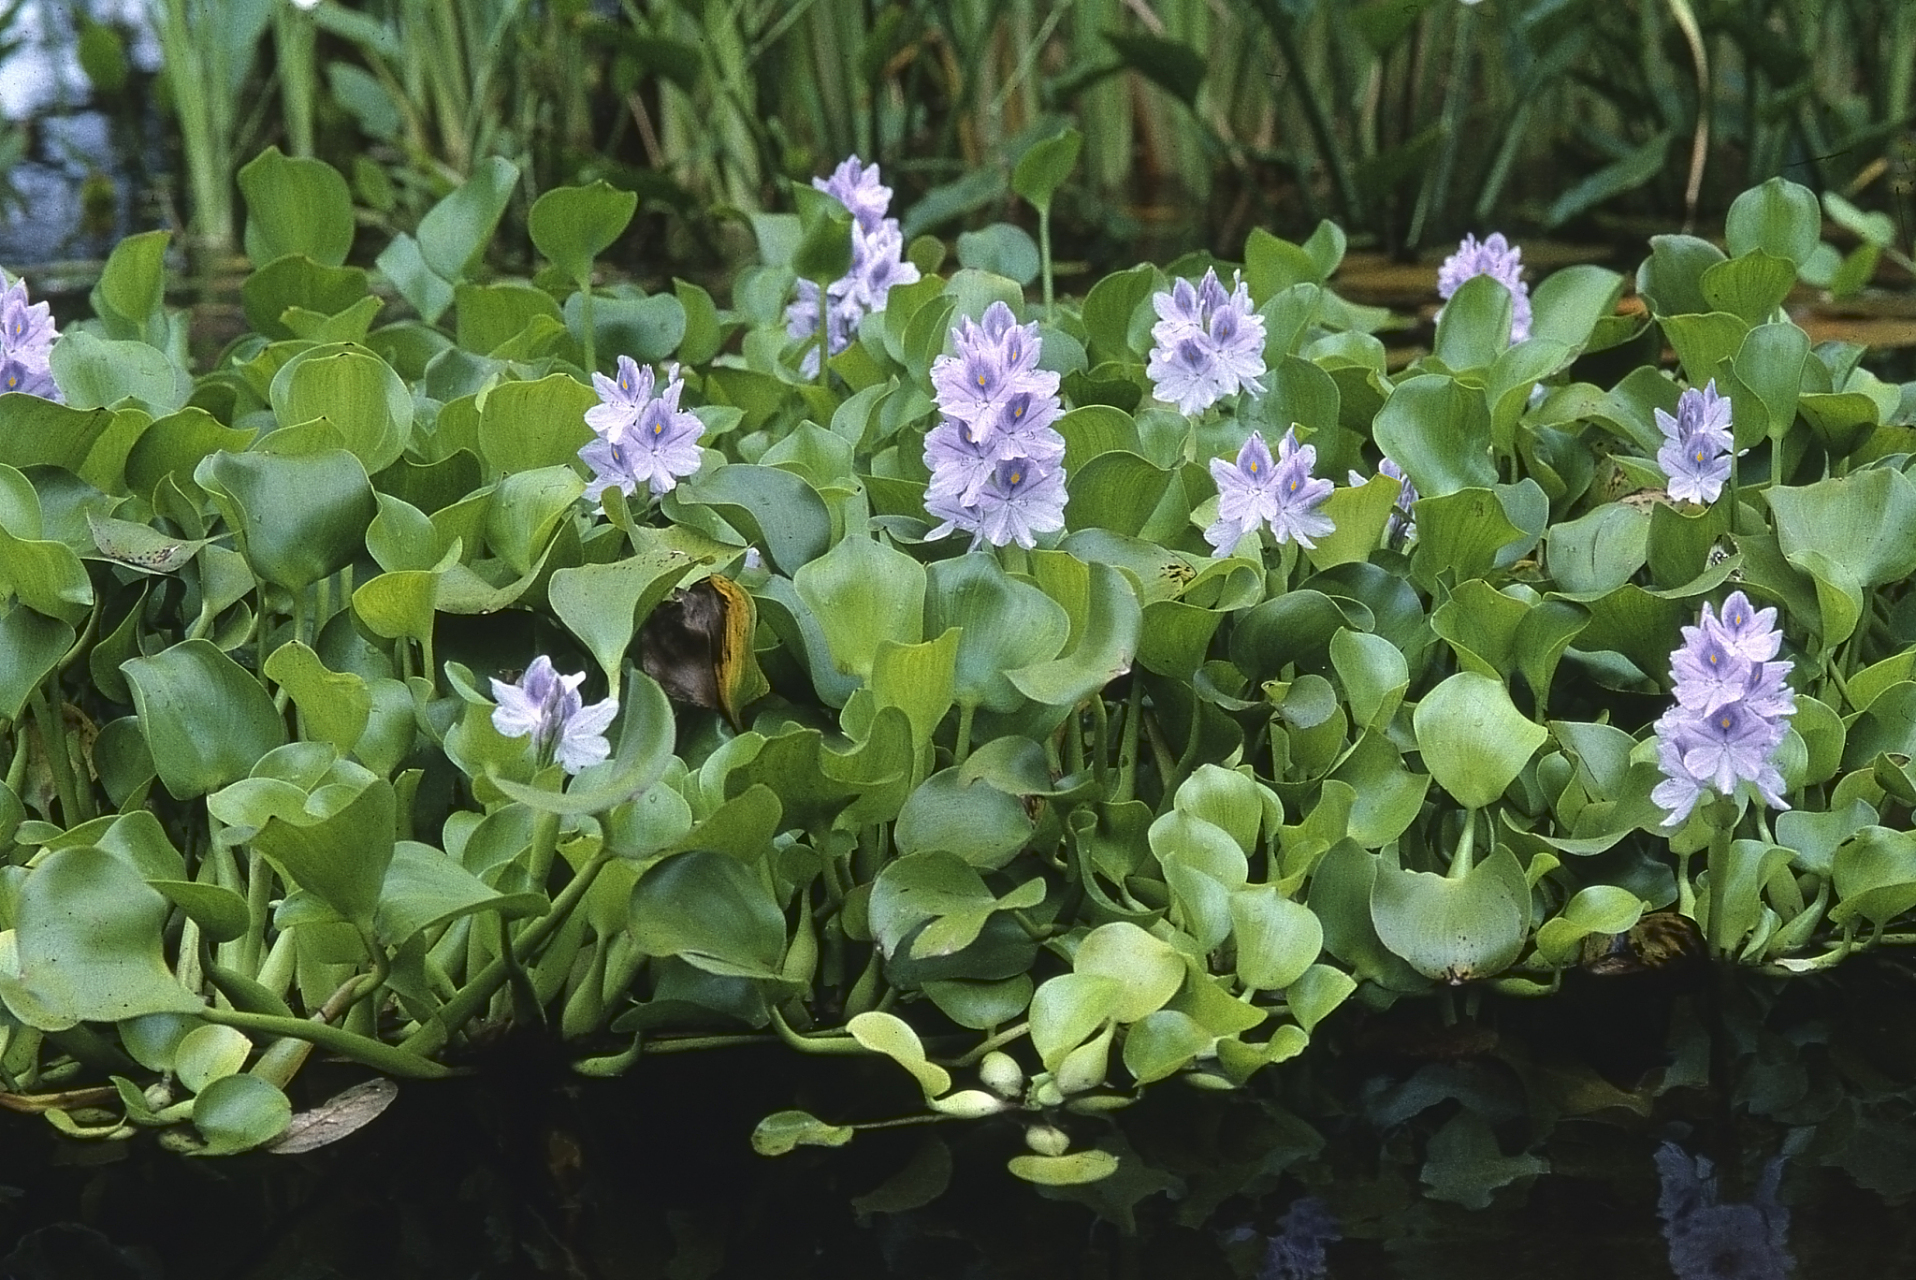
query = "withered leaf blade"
{"x": 698, "y": 646}
{"x": 344, "y": 1113}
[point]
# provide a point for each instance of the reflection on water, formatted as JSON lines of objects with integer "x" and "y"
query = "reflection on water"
{"x": 1711, "y": 1240}
{"x": 76, "y": 167}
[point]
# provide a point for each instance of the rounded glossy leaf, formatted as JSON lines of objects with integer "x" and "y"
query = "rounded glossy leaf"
{"x": 1067, "y": 1009}
{"x": 1277, "y": 939}
{"x": 1454, "y": 929}
{"x": 204, "y": 718}
{"x": 712, "y": 910}
{"x": 1147, "y": 969}
{"x": 892, "y": 1036}
{"x": 295, "y": 205}
{"x": 863, "y": 594}
{"x": 354, "y": 390}
{"x": 1780, "y": 217}
{"x": 974, "y": 820}
{"x": 528, "y": 425}
{"x": 574, "y": 225}
{"x": 775, "y": 509}
{"x": 1064, "y": 1171}
{"x": 102, "y": 964}
{"x": 1473, "y": 739}
{"x": 299, "y": 517}
{"x": 210, "y": 1053}
{"x": 238, "y": 1113}
{"x": 1439, "y": 431}
{"x": 1005, "y": 623}
{"x": 1044, "y": 166}
{"x": 342, "y": 852}
{"x": 1162, "y": 1044}
{"x": 781, "y": 1131}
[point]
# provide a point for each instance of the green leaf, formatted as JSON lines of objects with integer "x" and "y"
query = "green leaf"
{"x": 1277, "y": 940}
{"x": 1044, "y": 166}
{"x": 340, "y": 852}
{"x": 355, "y": 391}
{"x": 893, "y": 1037}
{"x": 604, "y": 604}
{"x": 1566, "y": 306}
{"x": 455, "y": 232}
{"x": 1438, "y": 431}
{"x": 1780, "y": 217}
{"x": 1473, "y": 739}
{"x": 1163, "y": 1043}
{"x": 1005, "y": 622}
{"x": 1147, "y": 970}
{"x": 1454, "y": 929}
{"x": 776, "y": 510}
{"x": 824, "y": 250}
{"x": 1173, "y": 65}
{"x": 208, "y": 1053}
{"x": 103, "y": 964}
{"x": 976, "y": 821}
{"x": 239, "y": 1112}
{"x": 712, "y": 910}
{"x": 299, "y": 517}
{"x": 425, "y": 888}
{"x": 295, "y": 205}
{"x": 97, "y": 372}
{"x": 298, "y": 281}
{"x": 1068, "y": 1009}
{"x": 1072, "y": 1170}
{"x": 863, "y": 594}
{"x": 1001, "y": 248}
{"x": 1671, "y": 278}
{"x": 1474, "y": 328}
{"x": 205, "y": 720}
{"x": 782, "y": 1131}
{"x": 1464, "y": 1165}
{"x": 31, "y": 646}
{"x": 1103, "y": 643}
{"x": 529, "y": 425}
{"x": 132, "y": 288}
{"x": 1624, "y": 174}
{"x": 572, "y": 226}
{"x": 1749, "y": 286}
{"x": 1598, "y": 909}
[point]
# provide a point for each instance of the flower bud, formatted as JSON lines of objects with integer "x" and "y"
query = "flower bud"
{"x": 1001, "y": 1074}
{"x": 1047, "y": 1140}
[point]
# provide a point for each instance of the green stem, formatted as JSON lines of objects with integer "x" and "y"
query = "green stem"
{"x": 962, "y": 750}
{"x": 1128, "y": 745}
{"x": 259, "y": 894}
{"x": 53, "y": 741}
{"x": 1463, "y": 859}
{"x": 590, "y": 337}
{"x": 1044, "y": 259}
{"x": 394, "y": 1061}
{"x": 432, "y": 1034}
{"x": 1719, "y": 869}
{"x": 840, "y": 1045}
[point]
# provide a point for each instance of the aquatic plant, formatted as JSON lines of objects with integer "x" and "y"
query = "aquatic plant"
{"x": 396, "y": 677}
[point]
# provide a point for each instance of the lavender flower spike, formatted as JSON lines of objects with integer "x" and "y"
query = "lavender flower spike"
{"x": 1208, "y": 344}
{"x": 1499, "y": 259}
{"x": 1279, "y": 492}
{"x": 27, "y": 336}
{"x": 546, "y": 706}
{"x": 639, "y": 437}
{"x": 1697, "y": 445}
{"x": 1731, "y": 713}
{"x": 878, "y": 263}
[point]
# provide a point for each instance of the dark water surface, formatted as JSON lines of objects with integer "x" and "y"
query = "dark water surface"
{"x": 1705, "y": 1128}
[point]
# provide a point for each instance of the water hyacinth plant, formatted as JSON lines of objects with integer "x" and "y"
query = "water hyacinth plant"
{"x": 877, "y": 264}
{"x": 1102, "y": 800}
{"x": 1697, "y": 444}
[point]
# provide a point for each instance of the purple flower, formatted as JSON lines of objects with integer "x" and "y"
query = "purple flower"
{"x": 547, "y": 706}
{"x": 995, "y": 456}
{"x": 1499, "y": 259}
{"x": 1020, "y": 499}
{"x": 1207, "y": 344}
{"x": 620, "y": 399}
{"x": 878, "y": 263}
{"x": 1280, "y": 492}
{"x": 27, "y": 336}
{"x": 638, "y": 436}
{"x": 1710, "y": 1240}
{"x": 1731, "y": 713}
{"x": 1697, "y": 445}
{"x": 857, "y": 187}
{"x": 1749, "y": 631}
{"x": 1401, "y": 528}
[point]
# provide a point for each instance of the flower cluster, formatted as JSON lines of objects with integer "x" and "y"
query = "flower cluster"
{"x": 877, "y": 263}
{"x": 1207, "y": 344}
{"x": 547, "y": 706}
{"x": 1697, "y": 445}
{"x": 26, "y": 344}
{"x": 639, "y": 436}
{"x": 1499, "y": 259}
{"x": 995, "y": 456}
{"x": 1260, "y": 490}
{"x": 1401, "y": 528}
{"x": 1731, "y": 710}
